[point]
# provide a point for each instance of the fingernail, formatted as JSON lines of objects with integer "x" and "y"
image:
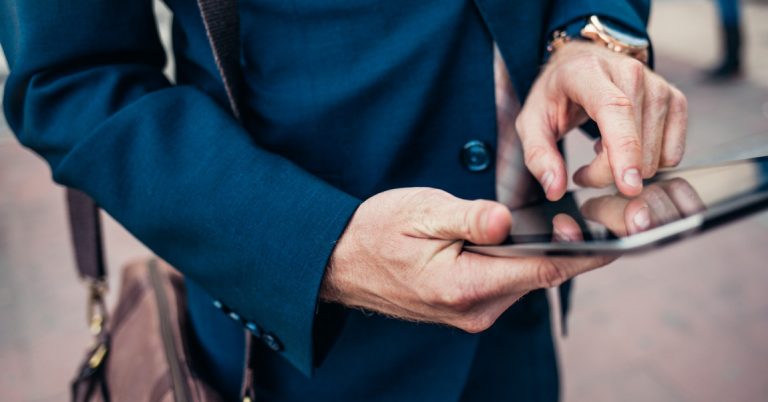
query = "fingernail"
{"x": 642, "y": 219}
{"x": 562, "y": 237}
{"x": 632, "y": 178}
{"x": 547, "y": 180}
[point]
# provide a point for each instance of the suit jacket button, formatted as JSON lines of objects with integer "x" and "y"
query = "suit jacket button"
{"x": 476, "y": 156}
{"x": 255, "y": 330}
{"x": 272, "y": 342}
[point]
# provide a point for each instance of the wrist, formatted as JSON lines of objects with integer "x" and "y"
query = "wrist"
{"x": 331, "y": 285}
{"x": 328, "y": 290}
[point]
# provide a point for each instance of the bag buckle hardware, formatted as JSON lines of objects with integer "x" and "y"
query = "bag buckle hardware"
{"x": 96, "y": 308}
{"x": 98, "y": 356}
{"x": 97, "y": 320}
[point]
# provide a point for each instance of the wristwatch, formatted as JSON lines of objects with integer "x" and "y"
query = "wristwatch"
{"x": 601, "y": 32}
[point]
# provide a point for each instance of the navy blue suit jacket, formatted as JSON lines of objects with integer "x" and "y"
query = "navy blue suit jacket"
{"x": 345, "y": 98}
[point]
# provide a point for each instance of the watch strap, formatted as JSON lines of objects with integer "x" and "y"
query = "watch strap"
{"x": 575, "y": 30}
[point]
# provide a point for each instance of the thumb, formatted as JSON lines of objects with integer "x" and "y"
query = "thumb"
{"x": 479, "y": 221}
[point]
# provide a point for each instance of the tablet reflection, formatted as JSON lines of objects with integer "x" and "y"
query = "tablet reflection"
{"x": 659, "y": 203}
{"x": 601, "y": 214}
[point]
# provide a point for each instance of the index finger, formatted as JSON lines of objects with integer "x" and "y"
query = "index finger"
{"x": 614, "y": 113}
{"x": 497, "y": 276}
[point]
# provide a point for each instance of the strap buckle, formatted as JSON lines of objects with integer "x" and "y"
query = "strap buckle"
{"x": 96, "y": 307}
{"x": 559, "y": 39}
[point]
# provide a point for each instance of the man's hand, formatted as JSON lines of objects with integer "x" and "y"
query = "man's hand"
{"x": 642, "y": 119}
{"x": 402, "y": 255}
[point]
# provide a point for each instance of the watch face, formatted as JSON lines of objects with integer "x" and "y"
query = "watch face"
{"x": 623, "y": 37}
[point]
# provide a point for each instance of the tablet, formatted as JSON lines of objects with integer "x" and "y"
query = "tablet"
{"x": 673, "y": 205}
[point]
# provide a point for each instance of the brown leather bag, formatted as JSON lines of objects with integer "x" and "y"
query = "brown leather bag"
{"x": 142, "y": 354}
{"x": 141, "y": 350}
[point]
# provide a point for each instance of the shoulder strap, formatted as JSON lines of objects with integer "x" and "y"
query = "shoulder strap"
{"x": 222, "y": 26}
{"x": 85, "y": 227}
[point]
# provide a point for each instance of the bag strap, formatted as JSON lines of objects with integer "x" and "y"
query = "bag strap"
{"x": 85, "y": 231}
{"x": 222, "y": 27}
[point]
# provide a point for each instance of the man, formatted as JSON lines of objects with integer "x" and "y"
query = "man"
{"x": 729, "y": 65}
{"x": 333, "y": 220}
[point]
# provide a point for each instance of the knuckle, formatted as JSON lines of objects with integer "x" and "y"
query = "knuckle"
{"x": 674, "y": 156}
{"x": 613, "y": 104}
{"x": 583, "y": 64}
{"x": 534, "y": 154}
{"x": 549, "y": 275}
{"x": 419, "y": 206}
{"x": 591, "y": 61}
{"x": 476, "y": 323}
{"x": 569, "y": 69}
{"x": 453, "y": 298}
{"x": 618, "y": 101}
{"x": 628, "y": 145}
{"x": 424, "y": 198}
{"x": 634, "y": 68}
{"x": 472, "y": 219}
{"x": 649, "y": 170}
{"x": 433, "y": 194}
{"x": 679, "y": 100}
{"x": 467, "y": 225}
{"x": 463, "y": 291}
{"x": 659, "y": 96}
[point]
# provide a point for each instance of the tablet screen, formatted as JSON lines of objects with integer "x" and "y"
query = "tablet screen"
{"x": 604, "y": 214}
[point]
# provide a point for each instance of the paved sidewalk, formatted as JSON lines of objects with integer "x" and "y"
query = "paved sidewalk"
{"x": 686, "y": 323}
{"x": 689, "y": 30}
{"x": 689, "y": 322}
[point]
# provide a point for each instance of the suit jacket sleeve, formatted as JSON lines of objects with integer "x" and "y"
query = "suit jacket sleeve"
{"x": 86, "y": 92}
{"x": 632, "y": 14}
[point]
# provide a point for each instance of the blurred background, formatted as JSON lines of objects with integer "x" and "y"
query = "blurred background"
{"x": 685, "y": 323}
